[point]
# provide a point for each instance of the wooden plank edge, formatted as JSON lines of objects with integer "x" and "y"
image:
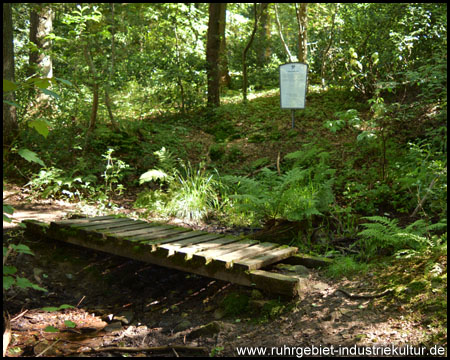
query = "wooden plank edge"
{"x": 289, "y": 286}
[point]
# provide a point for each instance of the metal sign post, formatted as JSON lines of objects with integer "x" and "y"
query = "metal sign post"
{"x": 293, "y": 85}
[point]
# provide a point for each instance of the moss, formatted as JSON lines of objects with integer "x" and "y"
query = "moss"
{"x": 235, "y": 304}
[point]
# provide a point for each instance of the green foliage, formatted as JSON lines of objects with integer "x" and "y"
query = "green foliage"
{"x": 191, "y": 194}
{"x": 346, "y": 266}
{"x": 383, "y": 234}
{"x": 53, "y": 182}
{"x": 345, "y": 118}
{"x": 235, "y": 304}
{"x": 301, "y": 192}
{"x": 54, "y": 308}
{"x": 114, "y": 172}
{"x": 10, "y": 277}
{"x": 216, "y": 151}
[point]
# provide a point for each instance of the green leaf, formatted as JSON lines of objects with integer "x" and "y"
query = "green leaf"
{"x": 50, "y": 308}
{"x": 30, "y": 156}
{"x": 12, "y": 103}
{"x": 53, "y": 308}
{"x": 51, "y": 93}
{"x": 70, "y": 324}
{"x": 22, "y": 249}
{"x": 41, "y": 126}
{"x": 8, "y": 281}
{"x": 9, "y": 85}
{"x": 42, "y": 83}
{"x": 25, "y": 283}
{"x": 8, "y": 209}
{"x": 64, "y": 81}
{"x": 154, "y": 174}
{"x": 9, "y": 270}
{"x": 51, "y": 329}
{"x": 65, "y": 306}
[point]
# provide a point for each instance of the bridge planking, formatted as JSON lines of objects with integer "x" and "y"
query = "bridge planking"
{"x": 223, "y": 257}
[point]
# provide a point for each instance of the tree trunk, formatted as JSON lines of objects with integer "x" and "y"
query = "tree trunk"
{"x": 40, "y": 62}
{"x": 280, "y": 32}
{"x": 244, "y": 54}
{"x": 10, "y": 127}
{"x": 213, "y": 54}
{"x": 93, "y": 119}
{"x": 95, "y": 87}
{"x": 263, "y": 37}
{"x": 111, "y": 72}
{"x": 325, "y": 53}
{"x": 302, "y": 18}
{"x": 225, "y": 78}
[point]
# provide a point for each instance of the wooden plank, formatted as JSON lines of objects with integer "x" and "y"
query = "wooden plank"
{"x": 128, "y": 230}
{"x": 154, "y": 238}
{"x": 224, "y": 249}
{"x": 186, "y": 235}
{"x": 278, "y": 283}
{"x": 174, "y": 246}
{"x": 191, "y": 250}
{"x": 144, "y": 231}
{"x": 152, "y": 233}
{"x": 104, "y": 224}
{"x": 230, "y": 258}
{"x": 85, "y": 220}
{"x": 264, "y": 259}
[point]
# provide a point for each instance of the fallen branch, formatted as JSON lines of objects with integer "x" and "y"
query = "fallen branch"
{"x": 356, "y": 296}
{"x": 164, "y": 348}
{"x": 421, "y": 201}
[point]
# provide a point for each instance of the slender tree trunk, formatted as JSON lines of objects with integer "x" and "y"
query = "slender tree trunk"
{"x": 280, "y": 32}
{"x": 263, "y": 49}
{"x": 302, "y": 18}
{"x": 178, "y": 61}
{"x": 95, "y": 87}
{"x": 225, "y": 78}
{"x": 111, "y": 72}
{"x": 93, "y": 119}
{"x": 325, "y": 53}
{"x": 213, "y": 54}
{"x": 40, "y": 62}
{"x": 244, "y": 54}
{"x": 10, "y": 127}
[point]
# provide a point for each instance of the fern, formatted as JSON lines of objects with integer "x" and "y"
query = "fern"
{"x": 384, "y": 233}
{"x": 301, "y": 192}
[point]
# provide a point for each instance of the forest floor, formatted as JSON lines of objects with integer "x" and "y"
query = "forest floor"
{"x": 144, "y": 310}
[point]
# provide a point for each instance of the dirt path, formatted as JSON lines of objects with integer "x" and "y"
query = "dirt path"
{"x": 130, "y": 304}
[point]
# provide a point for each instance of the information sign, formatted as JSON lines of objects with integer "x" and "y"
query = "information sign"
{"x": 293, "y": 84}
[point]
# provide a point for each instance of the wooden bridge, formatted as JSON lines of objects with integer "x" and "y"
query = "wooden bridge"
{"x": 229, "y": 258}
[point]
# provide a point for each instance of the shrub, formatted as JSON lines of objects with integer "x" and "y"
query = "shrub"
{"x": 301, "y": 192}
{"x": 383, "y": 234}
{"x": 191, "y": 194}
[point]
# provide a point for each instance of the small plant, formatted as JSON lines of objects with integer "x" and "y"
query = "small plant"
{"x": 191, "y": 194}
{"x": 344, "y": 118}
{"x": 235, "y": 304}
{"x": 345, "y": 266}
{"x": 10, "y": 277}
{"x": 384, "y": 234}
{"x": 114, "y": 172}
{"x": 216, "y": 351}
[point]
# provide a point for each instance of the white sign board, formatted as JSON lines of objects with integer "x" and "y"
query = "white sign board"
{"x": 293, "y": 84}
